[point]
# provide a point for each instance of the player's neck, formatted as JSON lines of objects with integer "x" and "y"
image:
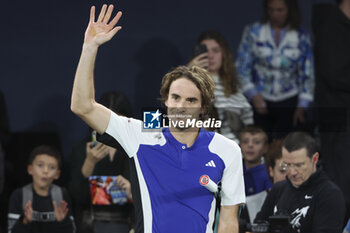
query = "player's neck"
{"x": 345, "y": 8}
{"x": 41, "y": 191}
{"x": 187, "y": 137}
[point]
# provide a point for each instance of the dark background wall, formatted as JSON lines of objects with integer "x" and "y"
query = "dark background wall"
{"x": 41, "y": 43}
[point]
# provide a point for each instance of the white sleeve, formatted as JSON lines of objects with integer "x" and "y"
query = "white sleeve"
{"x": 127, "y": 131}
{"x": 233, "y": 191}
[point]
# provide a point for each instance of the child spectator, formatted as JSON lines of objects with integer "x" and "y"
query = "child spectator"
{"x": 274, "y": 161}
{"x": 41, "y": 206}
{"x": 253, "y": 141}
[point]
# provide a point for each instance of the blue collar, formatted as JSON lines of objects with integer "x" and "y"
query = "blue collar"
{"x": 199, "y": 140}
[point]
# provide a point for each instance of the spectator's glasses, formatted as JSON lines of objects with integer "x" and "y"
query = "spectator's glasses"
{"x": 282, "y": 169}
{"x": 297, "y": 166}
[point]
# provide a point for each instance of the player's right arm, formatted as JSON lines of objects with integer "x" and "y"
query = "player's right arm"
{"x": 83, "y": 95}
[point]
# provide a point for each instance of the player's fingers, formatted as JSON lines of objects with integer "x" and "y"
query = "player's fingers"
{"x": 115, "y": 19}
{"x": 102, "y": 13}
{"x": 108, "y": 14}
{"x": 113, "y": 32}
{"x": 92, "y": 14}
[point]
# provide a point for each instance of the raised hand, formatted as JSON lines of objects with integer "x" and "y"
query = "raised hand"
{"x": 28, "y": 212}
{"x": 60, "y": 211}
{"x": 101, "y": 31}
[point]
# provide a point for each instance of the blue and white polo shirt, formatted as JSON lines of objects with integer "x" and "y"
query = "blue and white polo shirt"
{"x": 173, "y": 200}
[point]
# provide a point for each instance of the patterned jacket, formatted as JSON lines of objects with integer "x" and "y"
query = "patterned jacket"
{"x": 276, "y": 72}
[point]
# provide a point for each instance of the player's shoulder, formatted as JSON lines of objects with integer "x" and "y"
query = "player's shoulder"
{"x": 131, "y": 128}
{"x": 124, "y": 119}
{"x": 221, "y": 140}
{"x": 226, "y": 148}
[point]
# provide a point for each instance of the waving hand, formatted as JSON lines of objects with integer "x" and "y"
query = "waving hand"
{"x": 101, "y": 31}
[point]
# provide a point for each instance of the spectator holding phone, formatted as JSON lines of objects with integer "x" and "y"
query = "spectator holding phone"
{"x": 92, "y": 158}
{"x": 212, "y": 52}
{"x": 275, "y": 68}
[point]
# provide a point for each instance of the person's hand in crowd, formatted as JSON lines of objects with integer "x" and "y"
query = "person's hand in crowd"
{"x": 101, "y": 30}
{"x": 60, "y": 211}
{"x": 124, "y": 184}
{"x": 259, "y": 104}
{"x": 96, "y": 153}
{"x": 93, "y": 156}
{"x": 28, "y": 213}
{"x": 201, "y": 60}
{"x": 299, "y": 116}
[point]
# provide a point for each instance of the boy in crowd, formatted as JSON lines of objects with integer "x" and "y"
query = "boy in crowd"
{"x": 41, "y": 206}
{"x": 273, "y": 161}
{"x": 253, "y": 142}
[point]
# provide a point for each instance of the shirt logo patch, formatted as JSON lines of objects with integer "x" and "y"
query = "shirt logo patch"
{"x": 210, "y": 164}
{"x": 297, "y": 215}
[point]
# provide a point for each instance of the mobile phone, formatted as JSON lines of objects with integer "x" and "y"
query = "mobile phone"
{"x": 199, "y": 49}
{"x": 93, "y": 139}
